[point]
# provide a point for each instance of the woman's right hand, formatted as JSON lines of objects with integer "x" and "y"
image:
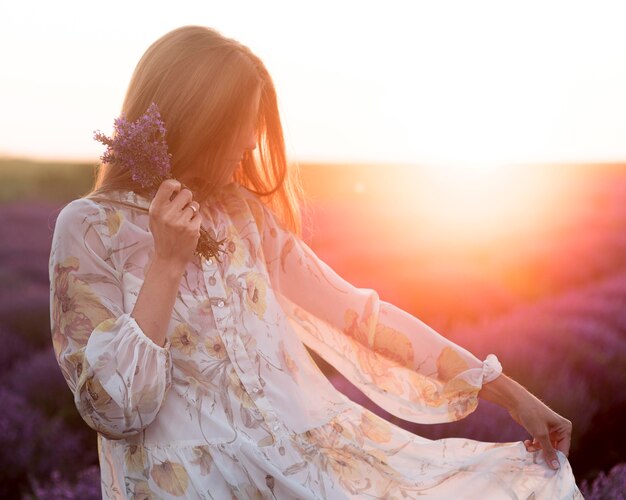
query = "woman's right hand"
{"x": 174, "y": 225}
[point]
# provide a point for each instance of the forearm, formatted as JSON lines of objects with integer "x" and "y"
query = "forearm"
{"x": 506, "y": 392}
{"x": 153, "y": 309}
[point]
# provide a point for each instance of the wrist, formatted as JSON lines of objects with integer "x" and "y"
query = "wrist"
{"x": 168, "y": 268}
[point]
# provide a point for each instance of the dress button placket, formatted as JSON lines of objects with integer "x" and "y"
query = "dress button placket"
{"x": 242, "y": 363}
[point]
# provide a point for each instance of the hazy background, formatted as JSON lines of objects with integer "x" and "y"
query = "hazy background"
{"x": 360, "y": 81}
{"x": 465, "y": 159}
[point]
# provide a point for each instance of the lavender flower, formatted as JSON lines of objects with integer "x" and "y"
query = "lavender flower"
{"x": 611, "y": 486}
{"x": 140, "y": 147}
{"x": 86, "y": 486}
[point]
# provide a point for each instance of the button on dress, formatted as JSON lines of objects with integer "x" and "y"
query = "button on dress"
{"x": 233, "y": 405}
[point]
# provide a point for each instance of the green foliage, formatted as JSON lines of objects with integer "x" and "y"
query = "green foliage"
{"x": 22, "y": 179}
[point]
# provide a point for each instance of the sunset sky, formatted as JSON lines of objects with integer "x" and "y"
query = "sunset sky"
{"x": 460, "y": 83}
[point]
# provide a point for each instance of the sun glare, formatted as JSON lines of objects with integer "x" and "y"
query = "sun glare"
{"x": 471, "y": 208}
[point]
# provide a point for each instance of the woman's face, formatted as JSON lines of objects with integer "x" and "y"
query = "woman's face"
{"x": 248, "y": 137}
{"x": 245, "y": 141}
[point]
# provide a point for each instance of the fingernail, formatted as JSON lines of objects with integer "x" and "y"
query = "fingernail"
{"x": 555, "y": 464}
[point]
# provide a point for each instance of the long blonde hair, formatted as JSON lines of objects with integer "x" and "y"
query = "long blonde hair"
{"x": 203, "y": 84}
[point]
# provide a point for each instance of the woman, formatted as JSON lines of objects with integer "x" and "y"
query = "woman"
{"x": 194, "y": 370}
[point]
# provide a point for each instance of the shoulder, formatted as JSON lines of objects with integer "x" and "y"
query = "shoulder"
{"x": 76, "y": 229}
{"x": 244, "y": 193}
{"x": 84, "y": 215}
{"x": 77, "y": 213}
{"x": 107, "y": 214}
{"x": 258, "y": 209}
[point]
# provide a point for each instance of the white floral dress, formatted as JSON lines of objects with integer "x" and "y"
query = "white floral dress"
{"x": 233, "y": 405}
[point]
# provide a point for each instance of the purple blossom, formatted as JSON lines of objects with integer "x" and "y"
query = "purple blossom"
{"x": 87, "y": 486}
{"x": 140, "y": 147}
{"x": 14, "y": 348}
{"x": 611, "y": 486}
{"x": 19, "y": 423}
{"x": 33, "y": 445}
{"x": 37, "y": 378}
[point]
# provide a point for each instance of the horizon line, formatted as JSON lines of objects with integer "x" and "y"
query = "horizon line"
{"x": 5, "y": 156}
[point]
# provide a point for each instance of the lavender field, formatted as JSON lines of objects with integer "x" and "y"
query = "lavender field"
{"x": 548, "y": 297}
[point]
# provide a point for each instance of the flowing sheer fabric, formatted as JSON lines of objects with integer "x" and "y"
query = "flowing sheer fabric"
{"x": 233, "y": 405}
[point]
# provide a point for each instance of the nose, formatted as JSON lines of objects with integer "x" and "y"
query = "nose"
{"x": 251, "y": 142}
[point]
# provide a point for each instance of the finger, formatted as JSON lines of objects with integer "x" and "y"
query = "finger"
{"x": 194, "y": 207}
{"x": 562, "y": 443}
{"x": 167, "y": 188}
{"x": 196, "y": 224}
{"x": 535, "y": 446}
{"x": 181, "y": 199}
{"x": 530, "y": 446}
{"x": 563, "y": 438}
{"x": 548, "y": 451}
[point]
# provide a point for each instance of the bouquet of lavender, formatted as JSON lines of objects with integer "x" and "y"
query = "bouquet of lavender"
{"x": 140, "y": 147}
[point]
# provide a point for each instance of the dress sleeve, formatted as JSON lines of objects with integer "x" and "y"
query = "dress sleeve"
{"x": 118, "y": 375}
{"x": 394, "y": 358}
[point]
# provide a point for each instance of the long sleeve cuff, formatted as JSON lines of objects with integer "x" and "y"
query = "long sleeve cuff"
{"x": 492, "y": 368}
{"x": 125, "y": 379}
{"x": 485, "y": 372}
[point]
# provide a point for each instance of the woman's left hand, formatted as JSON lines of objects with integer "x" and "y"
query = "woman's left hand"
{"x": 550, "y": 431}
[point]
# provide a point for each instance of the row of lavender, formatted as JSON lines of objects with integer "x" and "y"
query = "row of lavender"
{"x": 569, "y": 349}
{"x": 46, "y": 450}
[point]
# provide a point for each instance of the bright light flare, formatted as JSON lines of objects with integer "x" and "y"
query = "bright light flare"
{"x": 467, "y": 208}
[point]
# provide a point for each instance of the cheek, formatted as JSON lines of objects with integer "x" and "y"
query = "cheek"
{"x": 250, "y": 137}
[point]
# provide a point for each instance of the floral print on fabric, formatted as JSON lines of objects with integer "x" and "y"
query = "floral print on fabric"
{"x": 233, "y": 405}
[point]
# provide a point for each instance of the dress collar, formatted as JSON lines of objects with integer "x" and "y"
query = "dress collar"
{"x": 124, "y": 197}
{"x": 133, "y": 199}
